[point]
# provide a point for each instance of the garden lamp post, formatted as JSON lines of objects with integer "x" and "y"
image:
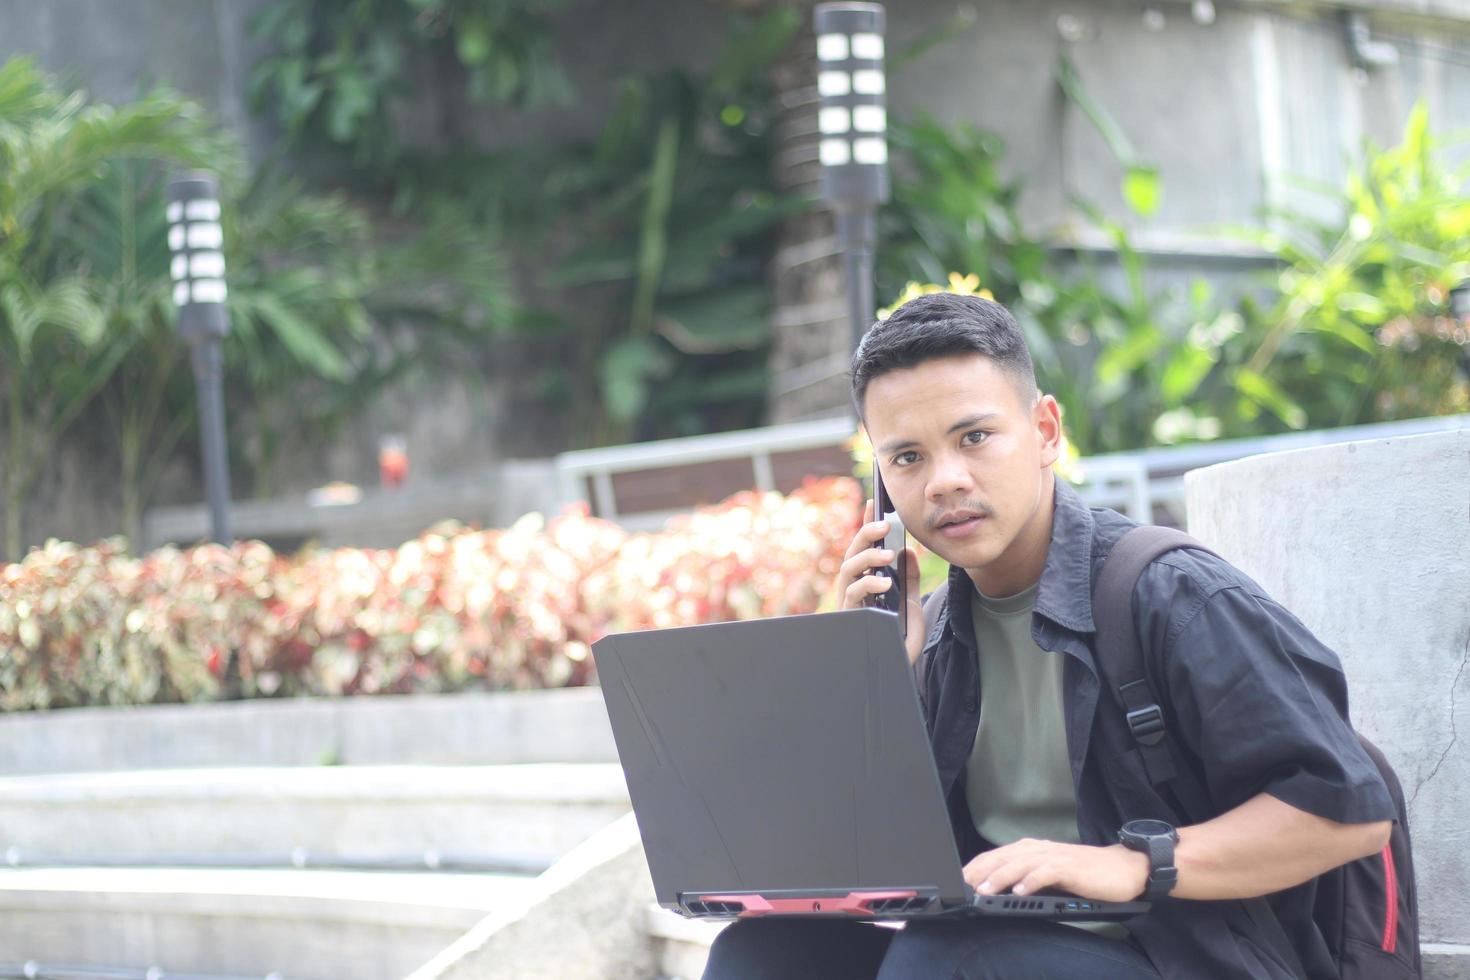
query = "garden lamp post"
{"x": 853, "y": 146}
{"x": 196, "y": 243}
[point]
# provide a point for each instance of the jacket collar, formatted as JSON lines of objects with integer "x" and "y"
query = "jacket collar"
{"x": 1065, "y": 596}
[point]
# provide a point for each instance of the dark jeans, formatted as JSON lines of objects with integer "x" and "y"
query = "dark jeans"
{"x": 973, "y": 949}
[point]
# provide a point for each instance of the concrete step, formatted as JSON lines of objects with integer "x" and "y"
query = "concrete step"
{"x": 243, "y": 922}
{"x": 515, "y": 817}
{"x": 476, "y": 728}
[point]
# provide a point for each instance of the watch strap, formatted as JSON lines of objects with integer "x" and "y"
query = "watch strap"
{"x": 1162, "y": 872}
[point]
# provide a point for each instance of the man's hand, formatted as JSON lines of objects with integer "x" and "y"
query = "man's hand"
{"x": 1109, "y": 874}
{"x": 855, "y": 584}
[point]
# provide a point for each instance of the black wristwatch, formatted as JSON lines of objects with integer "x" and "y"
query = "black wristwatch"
{"x": 1156, "y": 839}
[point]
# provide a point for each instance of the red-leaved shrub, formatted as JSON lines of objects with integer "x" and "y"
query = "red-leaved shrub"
{"x": 454, "y": 609}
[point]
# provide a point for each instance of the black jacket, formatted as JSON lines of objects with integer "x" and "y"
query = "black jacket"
{"x": 1254, "y": 701}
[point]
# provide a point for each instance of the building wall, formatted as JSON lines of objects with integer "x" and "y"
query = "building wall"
{"x": 1229, "y": 111}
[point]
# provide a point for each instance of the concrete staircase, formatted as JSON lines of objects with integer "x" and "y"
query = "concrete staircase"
{"x": 501, "y": 818}
{"x": 244, "y": 922}
{"x": 287, "y": 871}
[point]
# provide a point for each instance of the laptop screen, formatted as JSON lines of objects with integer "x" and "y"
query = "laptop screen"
{"x": 778, "y": 754}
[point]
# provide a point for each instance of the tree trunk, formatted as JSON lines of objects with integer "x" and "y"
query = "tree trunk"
{"x": 130, "y": 451}
{"x": 14, "y": 462}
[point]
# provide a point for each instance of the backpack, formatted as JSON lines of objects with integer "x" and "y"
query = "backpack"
{"x": 1367, "y": 910}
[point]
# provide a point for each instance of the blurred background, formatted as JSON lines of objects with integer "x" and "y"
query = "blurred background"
{"x": 497, "y": 230}
{"x": 537, "y": 329}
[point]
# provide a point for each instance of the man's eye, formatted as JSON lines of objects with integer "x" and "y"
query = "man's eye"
{"x": 904, "y": 459}
{"x": 974, "y": 438}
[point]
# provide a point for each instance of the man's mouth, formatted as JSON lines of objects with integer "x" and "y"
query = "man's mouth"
{"x": 959, "y": 523}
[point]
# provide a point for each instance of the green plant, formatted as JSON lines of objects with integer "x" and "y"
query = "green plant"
{"x": 1142, "y": 189}
{"x": 55, "y": 357}
{"x": 670, "y": 209}
{"x": 1111, "y": 358}
{"x": 319, "y": 305}
{"x": 323, "y": 306}
{"x": 339, "y": 65}
{"x": 116, "y": 231}
{"x": 676, "y": 206}
{"x": 1361, "y": 329}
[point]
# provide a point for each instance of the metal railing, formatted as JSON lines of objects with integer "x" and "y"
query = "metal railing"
{"x": 1165, "y": 467}
{"x": 1135, "y": 483}
{"x": 757, "y": 445}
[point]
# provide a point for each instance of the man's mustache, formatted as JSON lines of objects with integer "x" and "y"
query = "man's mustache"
{"x": 932, "y": 521}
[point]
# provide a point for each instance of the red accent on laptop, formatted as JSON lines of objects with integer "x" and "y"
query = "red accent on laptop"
{"x": 856, "y": 903}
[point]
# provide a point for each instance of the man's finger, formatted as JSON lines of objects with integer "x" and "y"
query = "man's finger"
{"x": 980, "y": 868}
{"x": 860, "y": 564}
{"x": 868, "y": 585}
{"x": 1002, "y": 878}
{"x": 1037, "y": 879}
{"x": 866, "y": 536}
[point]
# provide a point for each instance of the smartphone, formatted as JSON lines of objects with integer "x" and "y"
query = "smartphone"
{"x": 895, "y": 541}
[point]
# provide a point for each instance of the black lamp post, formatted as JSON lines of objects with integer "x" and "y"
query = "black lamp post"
{"x": 853, "y": 124}
{"x": 198, "y": 270}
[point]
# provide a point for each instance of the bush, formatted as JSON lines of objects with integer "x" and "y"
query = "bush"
{"x": 452, "y": 610}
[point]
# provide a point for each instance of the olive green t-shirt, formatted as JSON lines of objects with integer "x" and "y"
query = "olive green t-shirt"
{"x": 1019, "y": 775}
{"x": 1019, "y": 780}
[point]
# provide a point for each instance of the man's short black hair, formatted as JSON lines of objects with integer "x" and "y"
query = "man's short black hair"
{"x": 943, "y": 325}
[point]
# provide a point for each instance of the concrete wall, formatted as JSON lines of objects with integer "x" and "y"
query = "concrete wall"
{"x": 201, "y": 48}
{"x": 1227, "y": 110}
{"x": 1369, "y": 544}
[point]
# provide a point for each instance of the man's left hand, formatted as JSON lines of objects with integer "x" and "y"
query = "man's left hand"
{"x": 1110, "y": 874}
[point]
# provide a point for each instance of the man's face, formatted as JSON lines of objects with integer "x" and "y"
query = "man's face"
{"x": 964, "y": 455}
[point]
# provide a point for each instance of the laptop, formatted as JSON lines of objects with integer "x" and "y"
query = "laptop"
{"x": 782, "y": 767}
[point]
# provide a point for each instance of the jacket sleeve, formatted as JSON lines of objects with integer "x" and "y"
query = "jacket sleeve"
{"x": 1261, "y": 704}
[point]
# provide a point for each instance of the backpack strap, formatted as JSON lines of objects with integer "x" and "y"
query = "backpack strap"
{"x": 1119, "y": 654}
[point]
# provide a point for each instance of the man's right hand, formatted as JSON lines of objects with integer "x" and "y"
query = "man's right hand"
{"x": 855, "y": 583}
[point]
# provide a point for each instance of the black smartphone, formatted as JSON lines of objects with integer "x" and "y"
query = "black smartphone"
{"x": 895, "y": 541}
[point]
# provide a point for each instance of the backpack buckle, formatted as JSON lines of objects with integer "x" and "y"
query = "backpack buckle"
{"x": 1147, "y": 724}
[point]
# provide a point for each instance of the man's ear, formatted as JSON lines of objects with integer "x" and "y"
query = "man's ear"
{"x": 1048, "y": 420}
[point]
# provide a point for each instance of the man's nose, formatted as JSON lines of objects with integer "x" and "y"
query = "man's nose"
{"x": 950, "y": 477}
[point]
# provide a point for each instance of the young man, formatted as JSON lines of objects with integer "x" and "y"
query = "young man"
{"x": 1033, "y": 753}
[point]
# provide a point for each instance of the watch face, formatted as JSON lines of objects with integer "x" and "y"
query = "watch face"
{"x": 1149, "y": 828}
